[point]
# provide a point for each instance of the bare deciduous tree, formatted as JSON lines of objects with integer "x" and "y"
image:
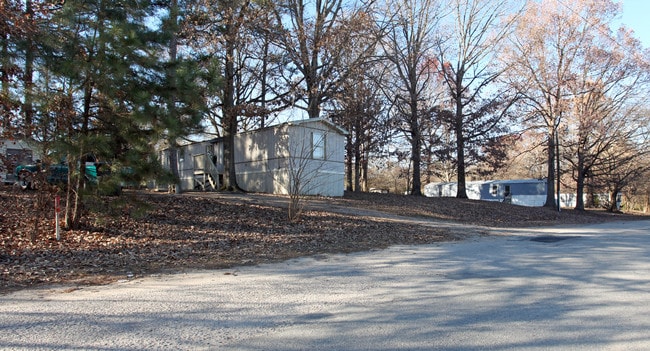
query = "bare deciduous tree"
{"x": 622, "y": 164}
{"x": 307, "y": 159}
{"x": 612, "y": 79}
{"x": 466, "y": 60}
{"x": 324, "y": 42}
{"x": 411, "y": 84}
{"x": 543, "y": 60}
{"x": 359, "y": 107}
{"x": 218, "y": 29}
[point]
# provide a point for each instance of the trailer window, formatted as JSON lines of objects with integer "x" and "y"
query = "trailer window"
{"x": 318, "y": 145}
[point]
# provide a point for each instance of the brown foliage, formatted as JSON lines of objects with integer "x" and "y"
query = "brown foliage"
{"x": 157, "y": 233}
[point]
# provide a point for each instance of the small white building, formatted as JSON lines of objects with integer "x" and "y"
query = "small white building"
{"x": 523, "y": 192}
{"x": 307, "y": 153}
{"x": 13, "y": 153}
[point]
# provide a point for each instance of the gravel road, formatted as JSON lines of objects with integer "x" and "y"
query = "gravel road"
{"x": 578, "y": 288}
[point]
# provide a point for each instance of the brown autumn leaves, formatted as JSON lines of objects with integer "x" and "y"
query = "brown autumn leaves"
{"x": 160, "y": 233}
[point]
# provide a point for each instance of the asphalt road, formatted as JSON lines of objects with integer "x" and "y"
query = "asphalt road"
{"x": 573, "y": 288}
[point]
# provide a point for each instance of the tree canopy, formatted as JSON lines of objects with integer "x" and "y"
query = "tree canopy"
{"x": 447, "y": 88}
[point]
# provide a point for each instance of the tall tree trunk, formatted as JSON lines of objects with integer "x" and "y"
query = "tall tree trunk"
{"x": 416, "y": 160}
{"x": 461, "y": 191}
{"x": 313, "y": 90}
{"x": 416, "y": 148}
{"x": 229, "y": 111}
{"x": 416, "y": 141}
{"x": 78, "y": 187}
{"x": 4, "y": 60}
{"x": 348, "y": 162}
{"x": 173, "y": 168}
{"x": 67, "y": 215}
{"x": 173, "y": 56}
{"x": 580, "y": 183}
{"x": 357, "y": 157}
{"x": 28, "y": 74}
{"x": 76, "y": 179}
{"x": 613, "y": 195}
{"x": 313, "y": 110}
{"x": 550, "y": 175}
{"x": 580, "y": 193}
{"x": 357, "y": 170}
{"x": 263, "y": 82}
{"x": 364, "y": 171}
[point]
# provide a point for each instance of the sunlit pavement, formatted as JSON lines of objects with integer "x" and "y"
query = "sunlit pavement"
{"x": 576, "y": 288}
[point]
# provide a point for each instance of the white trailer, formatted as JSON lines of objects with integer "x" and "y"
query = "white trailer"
{"x": 523, "y": 192}
{"x": 309, "y": 153}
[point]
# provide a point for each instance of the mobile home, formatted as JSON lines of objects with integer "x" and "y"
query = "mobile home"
{"x": 523, "y": 192}
{"x": 307, "y": 154}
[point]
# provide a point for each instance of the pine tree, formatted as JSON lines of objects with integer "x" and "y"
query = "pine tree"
{"x": 109, "y": 62}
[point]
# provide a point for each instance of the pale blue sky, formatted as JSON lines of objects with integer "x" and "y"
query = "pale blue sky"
{"x": 636, "y": 15}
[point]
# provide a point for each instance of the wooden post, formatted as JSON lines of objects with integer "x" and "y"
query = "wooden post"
{"x": 57, "y": 210}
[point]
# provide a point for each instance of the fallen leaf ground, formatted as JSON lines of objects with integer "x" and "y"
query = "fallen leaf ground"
{"x": 143, "y": 233}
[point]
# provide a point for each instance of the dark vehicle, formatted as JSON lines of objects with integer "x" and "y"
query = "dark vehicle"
{"x": 27, "y": 175}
